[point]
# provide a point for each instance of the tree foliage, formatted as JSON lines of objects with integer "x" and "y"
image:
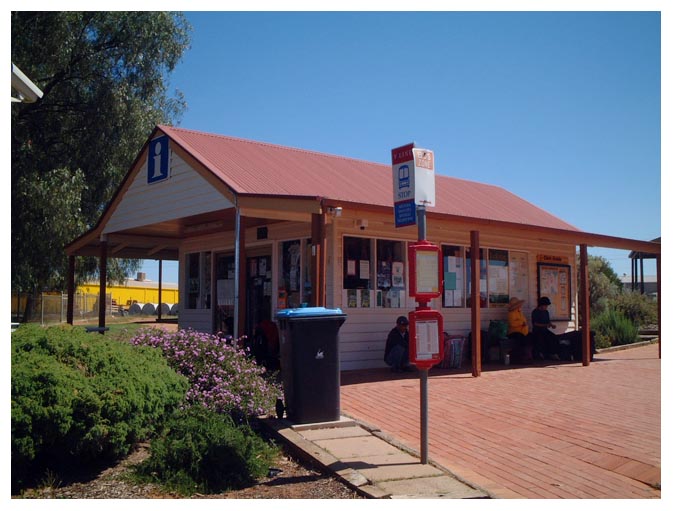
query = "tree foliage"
{"x": 604, "y": 284}
{"x": 104, "y": 78}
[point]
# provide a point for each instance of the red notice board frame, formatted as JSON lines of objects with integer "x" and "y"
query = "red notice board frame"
{"x": 418, "y": 274}
{"x": 434, "y": 353}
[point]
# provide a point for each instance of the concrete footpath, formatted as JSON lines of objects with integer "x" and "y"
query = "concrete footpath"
{"x": 371, "y": 463}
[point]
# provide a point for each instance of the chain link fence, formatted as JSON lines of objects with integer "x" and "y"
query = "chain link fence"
{"x": 49, "y": 308}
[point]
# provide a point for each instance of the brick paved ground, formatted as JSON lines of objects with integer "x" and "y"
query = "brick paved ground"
{"x": 546, "y": 431}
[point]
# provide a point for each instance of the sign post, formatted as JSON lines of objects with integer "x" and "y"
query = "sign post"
{"x": 414, "y": 184}
{"x": 426, "y": 326}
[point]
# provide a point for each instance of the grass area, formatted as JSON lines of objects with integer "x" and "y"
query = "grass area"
{"x": 126, "y": 330}
{"x": 125, "y": 326}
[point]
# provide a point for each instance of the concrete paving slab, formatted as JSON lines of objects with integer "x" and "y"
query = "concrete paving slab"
{"x": 343, "y": 422}
{"x": 334, "y": 433}
{"x": 440, "y": 487}
{"x": 364, "y": 461}
{"x": 356, "y": 447}
{"x": 389, "y": 467}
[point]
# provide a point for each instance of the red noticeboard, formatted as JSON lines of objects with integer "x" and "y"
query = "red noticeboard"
{"x": 425, "y": 271}
{"x": 426, "y": 338}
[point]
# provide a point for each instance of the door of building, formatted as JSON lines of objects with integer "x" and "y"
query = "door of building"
{"x": 225, "y": 278}
{"x": 258, "y": 291}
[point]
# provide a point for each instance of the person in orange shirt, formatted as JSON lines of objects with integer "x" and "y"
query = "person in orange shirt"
{"x": 517, "y": 330}
{"x": 516, "y": 321}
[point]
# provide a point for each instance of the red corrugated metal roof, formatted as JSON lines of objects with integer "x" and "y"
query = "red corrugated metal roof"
{"x": 257, "y": 168}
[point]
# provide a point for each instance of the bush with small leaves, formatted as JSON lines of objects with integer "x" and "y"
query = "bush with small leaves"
{"x": 206, "y": 452}
{"x": 639, "y": 308}
{"x": 79, "y": 398}
{"x": 616, "y": 327}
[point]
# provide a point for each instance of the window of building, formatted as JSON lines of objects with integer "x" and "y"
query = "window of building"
{"x": 225, "y": 272}
{"x": 498, "y": 277}
{"x": 290, "y": 275}
{"x": 454, "y": 276}
{"x": 390, "y": 274}
{"x": 357, "y": 271}
{"x": 483, "y": 278}
{"x": 198, "y": 280}
{"x": 373, "y": 273}
{"x": 501, "y": 273}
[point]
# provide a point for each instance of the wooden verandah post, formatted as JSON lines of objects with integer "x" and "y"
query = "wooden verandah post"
{"x": 102, "y": 299}
{"x": 659, "y": 300}
{"x": 475, "y": 305}
{"x": 160, "y": 284}
{"x": 318, "y": 254}
{"x": 241, "y": 276}
{"x": 585, "y": 320}
{"x": 70, "y": 314}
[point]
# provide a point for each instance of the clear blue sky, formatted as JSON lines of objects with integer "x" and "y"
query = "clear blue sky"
{"x": 560, "y": 108}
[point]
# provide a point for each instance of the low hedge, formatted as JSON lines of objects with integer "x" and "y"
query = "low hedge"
{"x": 79, "y": 398}
{"x": 613, "y": 329}
{"x": 200, "y": 450}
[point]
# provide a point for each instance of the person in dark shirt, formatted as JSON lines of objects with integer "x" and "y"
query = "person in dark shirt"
{"x": 546, "y": 341}
{"x": 396, "y": 354}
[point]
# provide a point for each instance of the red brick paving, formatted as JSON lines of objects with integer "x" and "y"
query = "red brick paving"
{"x": 546, "y": 431}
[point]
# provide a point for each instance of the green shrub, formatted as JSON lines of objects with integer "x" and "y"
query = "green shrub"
{"x": 203, "y": 451}
{"x": 602, "y": 341}
{"x": 79, "y": 398}
{"x": 616, "y": 327}
{"x": 639, "y": 308}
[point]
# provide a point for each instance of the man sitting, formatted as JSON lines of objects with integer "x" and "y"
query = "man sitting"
{"x": 546, "y": 342}
{"x": 396, "y": 354}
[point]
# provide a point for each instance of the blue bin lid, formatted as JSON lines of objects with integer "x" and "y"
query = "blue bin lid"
{"x": 308, "y": 312}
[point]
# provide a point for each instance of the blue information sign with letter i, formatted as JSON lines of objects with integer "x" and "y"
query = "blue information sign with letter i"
{"x": 157, "y": 160}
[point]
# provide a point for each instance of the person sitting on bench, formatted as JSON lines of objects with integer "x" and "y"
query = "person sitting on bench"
{"x": 546, "y": 342}
{"x": 517, "y": 330}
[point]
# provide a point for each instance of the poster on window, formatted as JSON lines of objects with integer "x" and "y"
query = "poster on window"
{"x": 364, "y": 269}
{"x": 518, "y": 275}
{"x": 384, "y": 279}
{"x": 398, "y": 274}
{"x": 554, "y": 283}
{"x": 352, "y": 298}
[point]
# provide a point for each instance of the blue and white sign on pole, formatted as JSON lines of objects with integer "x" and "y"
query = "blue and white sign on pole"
{"x": 413, "y": 182}
{"x": 403, "y": 185}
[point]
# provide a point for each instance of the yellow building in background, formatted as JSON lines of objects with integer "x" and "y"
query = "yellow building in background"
{"x": 135, "y": 291}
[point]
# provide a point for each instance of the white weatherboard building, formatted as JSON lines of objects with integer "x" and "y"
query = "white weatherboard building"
{"x": 258, "y": 228}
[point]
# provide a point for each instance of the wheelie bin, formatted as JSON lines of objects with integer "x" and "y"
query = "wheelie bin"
{"x": 309, "y": 360}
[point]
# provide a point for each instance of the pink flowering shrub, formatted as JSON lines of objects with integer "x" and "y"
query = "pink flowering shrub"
{"x": 222, "y": 377}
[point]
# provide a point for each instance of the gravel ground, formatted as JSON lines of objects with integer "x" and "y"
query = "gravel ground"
{"x": 295, "y": 480}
